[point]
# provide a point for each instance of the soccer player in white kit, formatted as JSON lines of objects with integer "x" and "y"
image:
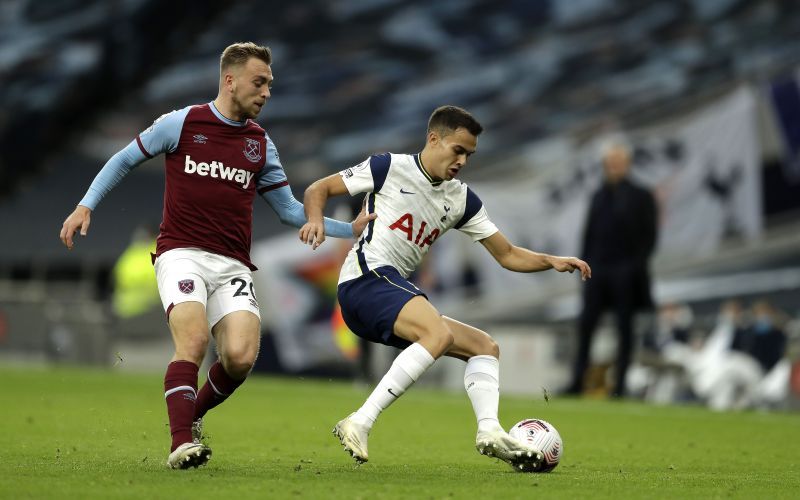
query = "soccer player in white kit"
{"x": 416, "y": 199}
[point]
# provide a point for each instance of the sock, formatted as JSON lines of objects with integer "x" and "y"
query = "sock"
{"x": 180, "y": 392}
{"x": 405, "y": 370}
{"x": 482, "y": 382}
{"x": 218, "y": 387}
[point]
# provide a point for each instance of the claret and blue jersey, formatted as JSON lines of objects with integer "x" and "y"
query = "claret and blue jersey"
{"x": 413, "y": 210}
{"x": 214, "y": 167}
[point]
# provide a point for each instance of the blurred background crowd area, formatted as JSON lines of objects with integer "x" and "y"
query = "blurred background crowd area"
{"x": 706, "y": 90}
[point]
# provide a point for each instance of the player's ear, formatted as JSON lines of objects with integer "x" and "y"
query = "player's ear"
{"x": 229, "y": 81}
{"x": 433, "y": 137}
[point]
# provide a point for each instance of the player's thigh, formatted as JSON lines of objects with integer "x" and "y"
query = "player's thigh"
{"x": 419, "y": 319}
{"x": 183, "y": 290}
{"x": 238, "y": 336}
{"x": 233, "y": 291}
{"x": 187, "y": 318}
{"x": 469, "y": 341}
{"x": 189, "y": 328}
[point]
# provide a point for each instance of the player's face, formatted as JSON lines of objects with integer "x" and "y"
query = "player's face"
{"x": 450, "y": 152}
{"x": 251, "y": 86}
{"x": 616, "y": 164}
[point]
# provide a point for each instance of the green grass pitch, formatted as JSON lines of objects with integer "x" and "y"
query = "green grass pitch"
{"x": 75, "y": 433}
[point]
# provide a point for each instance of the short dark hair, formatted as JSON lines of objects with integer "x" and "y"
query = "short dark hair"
{"x": 239, "y": 53}
{"x": 446, "y": 119}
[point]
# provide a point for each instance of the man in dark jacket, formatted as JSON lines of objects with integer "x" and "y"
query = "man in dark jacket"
{"x": 618, "y": 240}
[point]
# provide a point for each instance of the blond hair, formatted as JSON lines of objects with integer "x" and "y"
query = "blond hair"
{"x": 239, "y": 53}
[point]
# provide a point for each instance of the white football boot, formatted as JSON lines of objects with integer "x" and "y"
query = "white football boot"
{"x": 189, "y": 455}
{"x": 499, "y": 444}
{"x": 353, "y": 437}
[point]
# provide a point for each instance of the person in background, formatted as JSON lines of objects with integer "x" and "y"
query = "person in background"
{"x": 764, "y": 340}
{"x": 659, "y": 372}
{"x": 135, "y": 285}
{"x": 741, "y": 364}
{"x": 618, "y": 241}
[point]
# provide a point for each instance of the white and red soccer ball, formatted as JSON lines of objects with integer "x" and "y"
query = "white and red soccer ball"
{"x": 542, "y": 435}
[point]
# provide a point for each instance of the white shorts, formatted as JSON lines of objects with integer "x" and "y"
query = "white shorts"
{"x": 222, "y": 284}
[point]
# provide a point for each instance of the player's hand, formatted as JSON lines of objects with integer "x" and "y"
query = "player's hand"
{"x": 361, "y": 221}
{"x": 80, "y": 218}
{"x": 313, "y": 233}
{"x": 569, "y": 264}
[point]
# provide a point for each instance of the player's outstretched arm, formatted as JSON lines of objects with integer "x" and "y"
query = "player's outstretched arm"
{"x": 291, "y": 212}
{"x": 115, "y": 169}
{"x": 79, "y": 219}
{"x": 522, "y": 260}
{"x": 314, "y": 200}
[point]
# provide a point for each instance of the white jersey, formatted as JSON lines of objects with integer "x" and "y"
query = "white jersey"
{"x": 413, "y": 211}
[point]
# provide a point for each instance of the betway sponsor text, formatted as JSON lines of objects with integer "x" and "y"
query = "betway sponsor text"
{"x": 219, "y": 171}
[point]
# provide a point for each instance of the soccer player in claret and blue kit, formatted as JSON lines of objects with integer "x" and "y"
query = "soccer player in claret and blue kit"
{"x": 216, "y": 159}
{"x": 417, "y": 199}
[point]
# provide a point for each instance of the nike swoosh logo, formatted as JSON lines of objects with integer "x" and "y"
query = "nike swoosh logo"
{"x": 390, "y": 389}
{"x": 406, "y": 192}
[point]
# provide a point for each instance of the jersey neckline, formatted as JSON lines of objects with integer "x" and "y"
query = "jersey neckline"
{"x": 223, "y": 119}
{"x": 418, "y": 161}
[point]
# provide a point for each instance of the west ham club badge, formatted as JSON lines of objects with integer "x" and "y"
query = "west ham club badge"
{"x": 186, "y": 286}
{"x": 252, "y": 149}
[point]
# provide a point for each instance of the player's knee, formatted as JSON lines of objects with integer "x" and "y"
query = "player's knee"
{"x": 438, "y": 333}
{"x": 491, "y": 347}
{"x": 238, "y": 362}
{"x": 443, "y": 336}
{"x": 239, "y": 369}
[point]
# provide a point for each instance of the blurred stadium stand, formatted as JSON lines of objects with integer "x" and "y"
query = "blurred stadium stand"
{"x": 352, "y": 77}
{"x": 81, "y": 78}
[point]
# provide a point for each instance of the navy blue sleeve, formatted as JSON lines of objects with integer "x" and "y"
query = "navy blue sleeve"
{"x": 473, "y": 205}
{"x": 379, "y": 166}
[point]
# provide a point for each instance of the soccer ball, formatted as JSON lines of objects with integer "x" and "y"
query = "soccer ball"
{"x": 541, "y": 435}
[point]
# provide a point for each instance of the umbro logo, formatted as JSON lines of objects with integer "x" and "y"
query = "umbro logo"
{"x": 200, "y": 139}
{"x": 406, "y": 192}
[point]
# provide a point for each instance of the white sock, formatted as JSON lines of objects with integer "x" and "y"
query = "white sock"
{"x": 405, "y": 370}
{"x": 482, "y": 382}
